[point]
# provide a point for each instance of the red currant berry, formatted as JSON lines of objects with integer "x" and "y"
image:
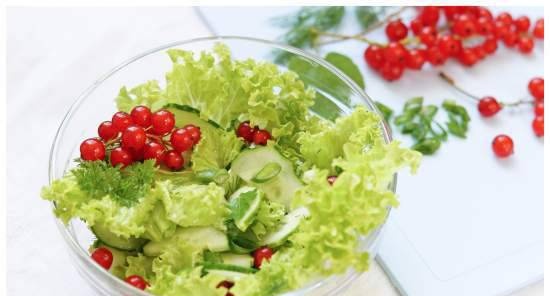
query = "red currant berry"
{"x": 416, "y": 59}
{"x": 396, "y": 30}
{"x": 121, "y": 120}
{"x": 92, "y": 149}
{"x": 450, "y": 12}
{"x": 121, "y": 156}
{"x": 245, "y": 131}
{"x": 484, "y": 12}
{"x": 488, "y": 106}
{"x": 133, "y": 138}
{"x": 510, "y": 38}
{"x": 331, "y": 179}
{"x": 467, "y": 57}
{"x": 261, "y": 254}
{"x": 522, "y": 24}
{"x": 107, "y": 131}
{"x": 429, "y": 15}
{"x": 501, "y": 29}
{"x": 538, "y": 126}
{"x": 449, "y": 45}
{"x": 103, "y": 257}
{"x": 416, "y": 26}
{"x": 464, "y": 26}
{"x": 503, "y": 146}
{"x": 480, "y": 52}
{"x": 181, "y": 140}
{"x": 225, "y": 284}
{"x": 391, "y": 72}
{"x": 539, "y": 108}
{"x": 194, "y": 132}
{"x": 536, "y": 88}
{"x": 261, "y": 137}
{"x": 490, "y": 44}
{"x": 137, "y": 281}
{"x": 435, "y": 56}
{"x": 525, "y": 44}
{"x": 485, "y": 26}
{"x": 154, "y": 150}
{"x": 396, "y": 53}
{"x": 163, "y": 122}
{"x": 428, "y": 36}
{"x": 538, "y": 30}
{"x": 141, "y": 116}
{"x": 173, "y": 160}
{"x": 505, "y": 18}
{"x": 374, "y": 56}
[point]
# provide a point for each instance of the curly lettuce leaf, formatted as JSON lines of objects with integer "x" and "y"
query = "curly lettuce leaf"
{"x": 186, "y": 282}
{"x": 180, "y": 256}
{"x": 140, "y": 265}
{"x": 268, "y": 218}
{"x": 147, "y": 94}
{"x": 159, "y": 227}
{"x": 194, "y": 205}
{"x": 215, "y": 150}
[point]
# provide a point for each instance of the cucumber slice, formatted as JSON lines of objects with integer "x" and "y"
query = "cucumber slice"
{"x": 244, "y": 204}
{"x": 223, "y": 268}
{"x": 244, "y": 260}
{"x": 206, "y": 237}
{"x": 268, "y": 172}
{"x": 227, "y": 275}
{"x": 290, "y": 223}
{"x": 112, "y": 240}
{"x": 118, "y": 267}
{"x": 185, "y": 115}
{"x": 280, "y": 188}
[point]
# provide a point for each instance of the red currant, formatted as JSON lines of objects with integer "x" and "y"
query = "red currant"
{"x": 396, "y": 30}
{"x": 226, "y": 284}
{"x": 536, "y": 88}
{"x": 490, "y": 44}
{"x": 103, "y": 257}
{"x": 133, "y": 138}
{"x": 374, "y": 56}
{"x": 449, "y": 45}
{"x": 416, "y": 59}
{"x": 450, "y": 12}
{"x": 173, "y": 160}
{"x": 538, "y": 126}
{"x": 503, "y": 146}
{"x": 480, "y": 52}
{"x": 485, "y": 26}
{"x": 416, "y": 26}
{"x": 539, "y": 108}
{"x": 428, "y": 36}
{"x": 467, "y": 57}
{"x": 435, "y": 56}
{"x": 331, "y": 179}
{"x": 525, "y": 44}
{"x": 163, "y": 122}
{"x": 522, "y": 24}
{"x": 92, "y": 149}
{"x": 154, "y": 150}
{"x": 505, "y": 18}
{"x": 245, "y": 131}
{"x": 538, "y": 30}
{"x": 194, "y": 132}
{"x": 121, "y": 156}
{"x": 486, "y": 13}
{"x": 464, "y": 26}
{"x": 137, "y": 281}
{"x": 429, "y": 15}
{"x": 501, "y": 29}
{"x": 107, "y": 131}
{"x": 121, "y": 120}
{"x": 510, "y": 38}
{"x": 261, "y": 254}
{"x": 261, "y": 137}
{"x": 396, "y": 53}
{"x": 141, "y": 116}
{"x": 181, "y": 140}
{"x": 488, "y": 106}
{"x": 391, "y": 72}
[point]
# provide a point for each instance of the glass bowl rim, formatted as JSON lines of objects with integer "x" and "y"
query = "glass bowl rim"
{"x": 66, "y": 233}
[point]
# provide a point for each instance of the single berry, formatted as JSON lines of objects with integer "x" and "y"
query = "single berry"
{"x": 429, "y": 15}
{"x": 501, "y": 29}
{"x": 103, "y": 257}
{"x": 525, "y": 44}
{"x": 428, "y": 36}
{"x": 503, "y": 146}
{"x": 536, "y": 88}
{"x": 449, "y": 45}
{"x": 538, "y": 126}
{"x": 396, "y": 30}
{"x": 163, "y": 122}
{"x": 435, "y": 56}
{"x": 261, "y": 137}
{"x": 92, "y": 149}
{"x": 133, "y": 138}
{"x": 154, "y": 150}
{"x": 137, "y": 281}
{"x": 505, "y": 18}
{"x": 539, "y": 108}
{"x": 490, "y": 44}
{"x": 488, "y": 106}
{"x": 464, "y": 26}
{"x": 194, "y": 132}
{"x": 510, "y": 38}
{"x": 467, "y": 57}
{"x": 485, "y": 26}
{"x": 522, "y": 24}
{"x": 416, "y": 59}
{"x": 391, "y": 72}
{"x": 396, "y": 53}
{"x": 173, "y": 160}
{"x": 121, "y": 156}
{"x": 261, "y": 254}
{"x": 141, "y": 116}
{"x": 181, "y": 140}
{"x": 416, "y": 26}
{"x": 245, "y": 131}
{"x": 331, "y": 179}
{"x": 450, "y": 12}
{"x": 107, "y": 131}
{"x": 121, "y": 120}
{"x": 225, "y": 284}
{"x": 479, "y": 50}
{"x": 538, "y": 30}
{"x": 484, "y": 12}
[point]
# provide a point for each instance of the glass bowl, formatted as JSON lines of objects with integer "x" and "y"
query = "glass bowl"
{"x": 97, "y": 103}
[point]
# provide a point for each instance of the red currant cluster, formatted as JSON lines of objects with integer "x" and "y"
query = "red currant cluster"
{"x": 469, "y": 34}
{"x": 141, "y": 135}
{"x": 536, "y": 88}
{"x": 252, "y": 134}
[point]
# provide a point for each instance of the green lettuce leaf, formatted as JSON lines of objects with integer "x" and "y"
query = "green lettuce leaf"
{"x": 215, "y": 150}
{"x": 140, "y": 265}
{"x": 180, "y": 256}
{"x": 159, "y": 227}
{"x": 186, "y": 282}
{"x": 268, "y": 218}
{"x": 147, "y": 94}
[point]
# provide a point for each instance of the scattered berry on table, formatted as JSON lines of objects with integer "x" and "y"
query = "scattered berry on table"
{"x": 503, "y": 146}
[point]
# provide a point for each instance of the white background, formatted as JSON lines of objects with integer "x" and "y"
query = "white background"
{"x": 54, "y": 54}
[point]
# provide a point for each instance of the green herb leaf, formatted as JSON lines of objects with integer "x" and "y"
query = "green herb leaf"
{"x": 386, "y": 111}
{"x": 368, "y": 15}
{"x": 458, "y": 118}
{"x": 346, "y": 65}
{"x": 427, "y": 146}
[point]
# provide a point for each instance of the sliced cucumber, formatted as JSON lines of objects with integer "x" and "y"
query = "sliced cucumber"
{"x": 205, "y": 237}
{"x": 268, "y": 172}
{"x": 227, "y": 275}
{"x": 244, "y": 260}
{"x": 230, "y": 272}
{"x": 280, "y": 188}
{"x": 119, "y": 265}
{"x": 290, "y": 223}
{"x": 244, "y": 204}
{"x": 115, "y": 241}
{"x": 185, "y": 115}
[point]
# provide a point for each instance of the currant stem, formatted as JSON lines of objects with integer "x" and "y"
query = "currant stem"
{"x": 342, "y": 37}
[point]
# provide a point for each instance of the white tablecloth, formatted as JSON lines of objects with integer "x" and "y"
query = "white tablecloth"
{"x": 53, "y": 55}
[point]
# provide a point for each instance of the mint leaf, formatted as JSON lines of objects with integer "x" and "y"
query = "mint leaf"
{"x": 386, "y": 111}
{"x": 427, "y": 146}
{"x": 346, "y": 65}
{"x": 368, "y": 15}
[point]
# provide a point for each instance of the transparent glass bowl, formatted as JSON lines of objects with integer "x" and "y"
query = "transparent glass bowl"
{"x": 97, "y": 104}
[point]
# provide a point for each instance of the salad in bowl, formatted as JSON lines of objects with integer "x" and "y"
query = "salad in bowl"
{"x": 220, "y": 180}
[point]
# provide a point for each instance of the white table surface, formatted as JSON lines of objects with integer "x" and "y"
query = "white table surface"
{"x": 53, "y": 55}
